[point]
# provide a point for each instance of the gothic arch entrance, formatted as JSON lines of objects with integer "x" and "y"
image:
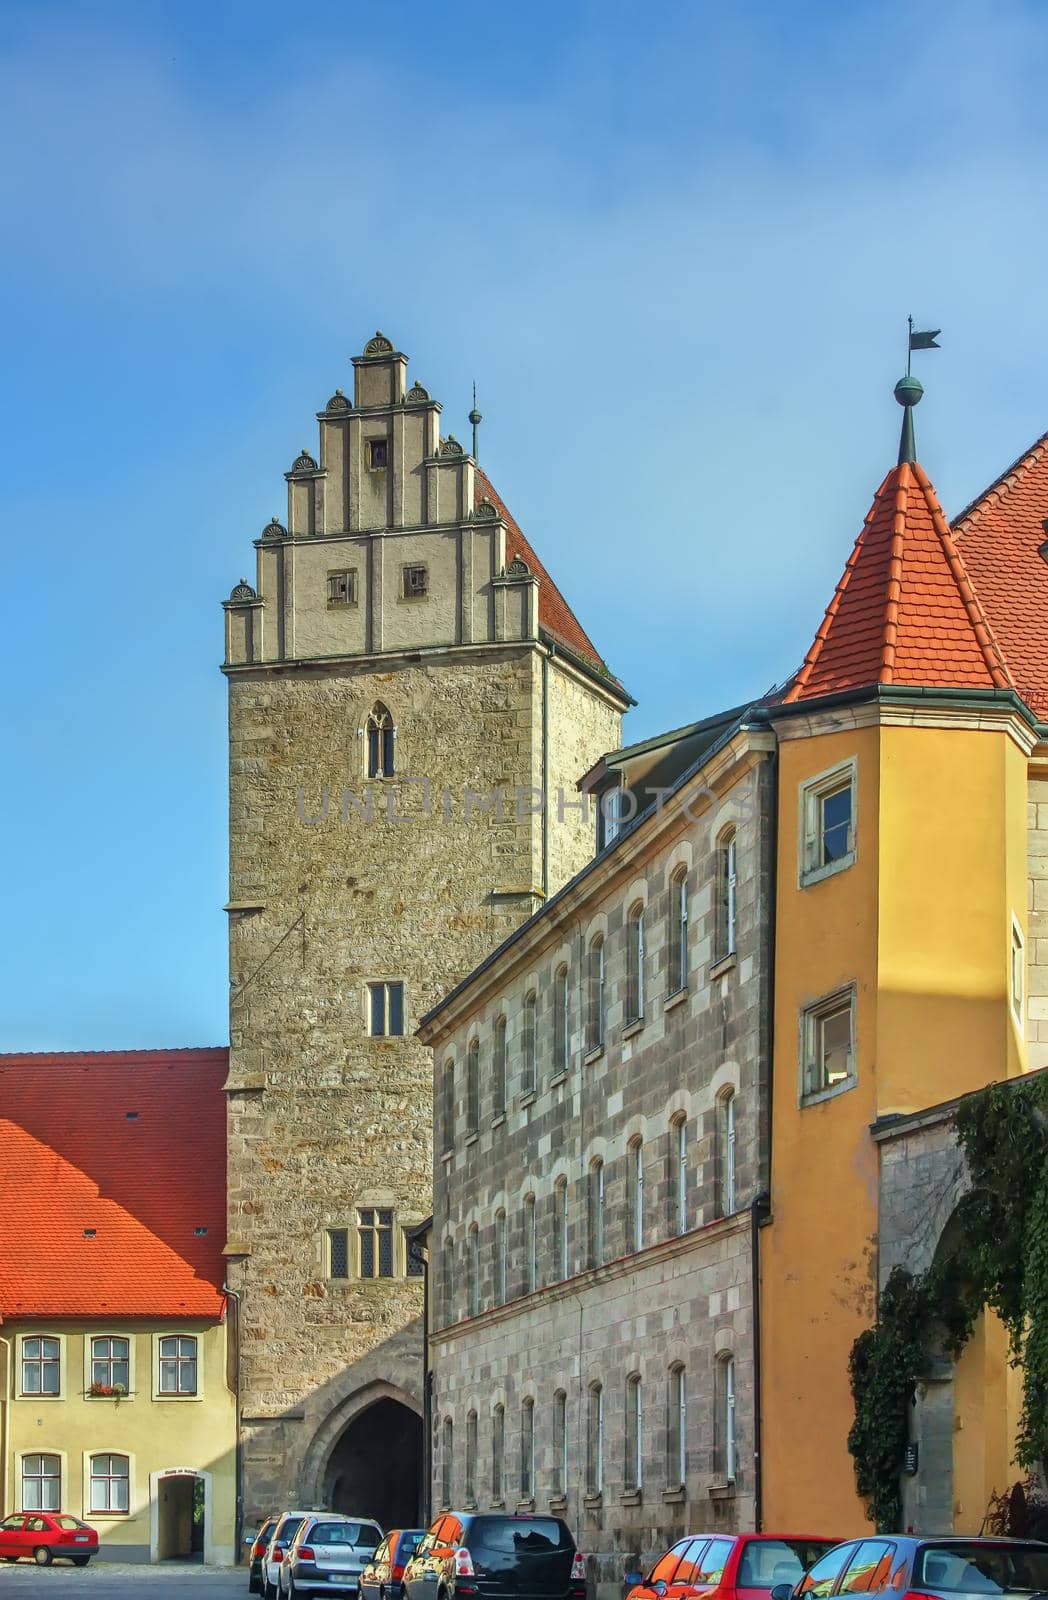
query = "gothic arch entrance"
{"x": 375, "y": 1466}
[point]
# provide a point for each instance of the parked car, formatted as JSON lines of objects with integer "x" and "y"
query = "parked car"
{"x": 492, "y": 1557}
{"x": 327, "y": 1555}
{"x": 285, "y": 1526}
{"x": 45, "y": 1535}
{"x": 255, "y": 1545}
{"x": 381, "y": 1578}
{"x": 951, "y": 1567}
{"x": 743, "y": 1566}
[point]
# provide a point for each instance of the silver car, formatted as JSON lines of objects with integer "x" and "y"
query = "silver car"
{"x": 327, "y": 1555}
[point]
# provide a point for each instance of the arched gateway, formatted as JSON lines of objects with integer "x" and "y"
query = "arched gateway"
{"x": 366, "y": 1457}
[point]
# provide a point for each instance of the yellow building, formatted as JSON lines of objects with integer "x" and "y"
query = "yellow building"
{"x": 910, "y": 750}
{"x": 116, "y": 1361}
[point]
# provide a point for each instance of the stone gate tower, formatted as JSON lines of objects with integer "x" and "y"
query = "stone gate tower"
{"x": 402, "y": 658}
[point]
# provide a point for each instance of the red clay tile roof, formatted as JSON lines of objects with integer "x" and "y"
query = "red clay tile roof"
{"x": 905, "y": 610}
{"x": 555, "y": 615}
{"x": 1000, "y": 535}
{"x": 71, "y": 1159}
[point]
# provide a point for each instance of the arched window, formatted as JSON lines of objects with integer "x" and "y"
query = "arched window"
{"x": 498, "y": 1455}
{"x": 595, "y": 1439}
{"x": 726, "y": 902}
{"x": 499, "y": 1072}
{"x": 527, "y": 1449}
{"x": 474, "y": 1271}
{"x": 634, "y": 1433}
{"x": 110, "y": 1362}
{"x": 676, "y": 1429}
{"x": 41, "y": 1483}
{"x": 449, "y": 1105}
{"x": 724, "y": 1418}
{"x": 635, "y": 1194}
{"x": 561, "y": 1050}
{"x": 677, "y": 978}
{"x": 448, "y": 1273}
{"x": 530, "y": 1252}
{"x": 635, "y": 964}
{"x": 560, "y": 1442}
{"x": 726, "y": 1153}
{"x": 529, "y": 1063}
{"x": 560, "y": 1228}
{"x": 447, "y": 1462}
{"x": 473, "y": 1087}
{"x": 471, "y": 1458}
{"x": 679, "y": 1174}
{"x": 500, "y": 1257}
{"x": 178, "y": 1364}
{"x": 110, "y": 1483}
{"x": 595, "y": 1208}
{"x": 595, "y": 994}
{"x": 380, "y": 737}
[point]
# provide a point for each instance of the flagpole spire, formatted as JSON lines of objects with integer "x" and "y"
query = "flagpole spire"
{"x": 908, "y": 390}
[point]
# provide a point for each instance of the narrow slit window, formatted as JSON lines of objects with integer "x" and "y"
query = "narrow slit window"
{"x": 386, "y": 1010}
{"x": 381, "y": 740}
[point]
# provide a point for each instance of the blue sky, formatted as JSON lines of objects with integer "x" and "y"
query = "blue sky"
{"x": 674, "y": 243}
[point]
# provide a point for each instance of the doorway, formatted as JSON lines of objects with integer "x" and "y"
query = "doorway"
{"x": 375, "y": 1467}
{"x": 181, "y": 1511}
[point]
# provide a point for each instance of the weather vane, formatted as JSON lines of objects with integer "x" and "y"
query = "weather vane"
{"x": 909, "y": 390}
{"x": 476, "y": 419}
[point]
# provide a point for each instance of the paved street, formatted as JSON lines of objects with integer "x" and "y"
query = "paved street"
{"x": 104, "y": 1578}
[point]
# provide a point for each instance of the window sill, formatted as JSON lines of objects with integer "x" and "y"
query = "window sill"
{"x": 675, "y": 999}
{"x": 178, "y": 1399}
{"x": 593, "y": 1055}
{"x": 448, "y": 1157}
{"x": 497, "y": 1122}
{"x": 674, "y": 1497}
{"x": 411, "y": 599}
{"x": 528, "y": 1098}
{"x": 471, "y": 1138}
{"x": 723, "y": 965}
{"x": 633, "y": 1028}
{"x": 498, "y": 1505}
{"x": 818, "y": 874}
{"x": 558, "y": 1078}
{"x": 819, "y": 1095}
{"x": 593, "y": 1502}
{"x": 525, "y": 1506}
{"x": 558, "y": 1502}
{"x": 631, "y": 1497}
{"x": 723, "y": 1491}
{"x": 48, "y": 1397}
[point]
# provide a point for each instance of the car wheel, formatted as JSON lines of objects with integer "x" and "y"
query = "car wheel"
{"x": 80, "y": 1561}
{"x": 42, "y": 1556}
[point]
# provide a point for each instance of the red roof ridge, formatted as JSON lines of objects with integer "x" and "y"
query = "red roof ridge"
{"x": 68, "y": 1057}
{"x": 1001, "y": 486}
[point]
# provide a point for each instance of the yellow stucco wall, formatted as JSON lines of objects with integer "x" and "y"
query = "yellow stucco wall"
{"x": 158, "y": 1434}
{"x": 921, "y": 924}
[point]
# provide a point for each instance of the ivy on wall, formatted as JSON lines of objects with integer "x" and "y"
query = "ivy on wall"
{"x": 994, "y": 1253}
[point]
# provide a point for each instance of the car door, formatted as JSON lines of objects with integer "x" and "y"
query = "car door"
{"x": 870, "y": 1568}
{"x": 375, "y": 1573}
{"x": 10, "y": 1529}
{"x": 662, "y": 1574}
{"x": 820, "y": 1580}
{"x": 420, "y": 1579}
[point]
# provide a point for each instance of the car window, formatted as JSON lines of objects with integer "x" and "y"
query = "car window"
{"x": 69, "y": 1522}
{"x": 36, "y": 1525}
{"x": 714, "y": 1560}
{"x": 980, "y": 1569}
{"x": 357, "y": 1535}
{"x": 12, "y": 1522}
{"x": 690, "y": 1562}
{"x": 409, "y": 1543}
{"x": 286, "y": 1530}
{"x": 667, "y": 1565}
{"x": 517, "y": 1536}
{"x": 868, "y": 1569}
{"x": 383, "y": 1551}
{"x": 823, "y": 1575}
{"x": 767, "y": 1562}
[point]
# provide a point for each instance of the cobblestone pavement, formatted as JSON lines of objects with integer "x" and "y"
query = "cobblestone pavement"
{"x": 101, "y": 1579}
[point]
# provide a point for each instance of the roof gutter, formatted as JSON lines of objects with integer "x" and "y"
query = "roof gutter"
{"x": 899, "y": 693}
{"x": 5, "y": 1431}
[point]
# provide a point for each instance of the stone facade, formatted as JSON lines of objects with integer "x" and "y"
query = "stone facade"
{"x": 340, "y": 880}
{"x": 527, "y": 1330}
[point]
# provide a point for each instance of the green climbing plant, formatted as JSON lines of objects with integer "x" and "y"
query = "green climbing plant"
{"x": 997, "y": 1256}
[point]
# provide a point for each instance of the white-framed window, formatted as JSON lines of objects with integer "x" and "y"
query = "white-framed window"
{"x": 561, "y": 1042}
{"x": 595, "y": 1210}
{"x": 635, "y": 965}
{"x": 594, "y": 1439}
{"x": 828, "y": 1046}
{"x": 499, "y": 1067}
{"x": 380, "y": 742}
{"x": 530, "y": 1248}
{"x": 635, "y": 1193}
{"x": 498, "y": 1455}
{"x": 342, "y": 587}
{"x": 110, "y": 1483}
{"x": 501, "y": 1257}
{"x": 42, "y": 1370}
{"x": 471, "y": 1458}
{"x": 561, "y": 1234}
{"x": 726, "y": 932}
{"x": 527, "y": 1449}
{"x": 595, "y": 1005}
{"x": 1018, "y": 973}
{"x": 386, "y": 1010}
{"x": 178, "y": 1364}
{"x": 474, "y": 1272}
{"x": 111, "y": 1362}
{"x": 677, "y": 976}
{"x": 447, "y": 1461}
{"x": 634, "y": 1433}
{"x": 560, "y": 1443}
{"x": 725, "y": 1418}
{"x": 375, "y": 1242}
{"x": 677, "y": 1428}
{"x": 726, "y": 1152}
{"x": 473, "y": 1087}
{"x": 679, "y": 1173}
{"x": 827, "y": 822}
{"x": 41, "y": 1482}
{"x": 529, "y": 1045}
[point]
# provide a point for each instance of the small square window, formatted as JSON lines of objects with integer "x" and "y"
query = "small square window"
{"x": 827, "y": 832}
{"x": 378, "y": 454}
{"x": 342, "y": 588}
{"x": 416, "y": 583}
{"x": 385, "y": 1010}
{"x": 828, "y": 1047}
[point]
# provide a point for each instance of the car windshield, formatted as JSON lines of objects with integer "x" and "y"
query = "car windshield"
{"x": 69, "y": 1522}
{"x": 766, "y": 1562}
{"x": 518, "y": 1535}
{"x": 975, "y": 1568}
{"x": 360, "y": 1535}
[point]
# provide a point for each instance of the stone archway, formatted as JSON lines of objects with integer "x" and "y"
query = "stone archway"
{"x": 367, "y": 1457}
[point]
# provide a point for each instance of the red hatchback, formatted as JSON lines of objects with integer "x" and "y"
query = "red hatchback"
{"x": 741, "y": 1566}
{"x": 45, "y": 1535}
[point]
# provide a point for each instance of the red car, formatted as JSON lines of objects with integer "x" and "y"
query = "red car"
{"x": 45, "y": 1535}
{"x": 380, "y": 1579}
{"x": 739, "y": 1566}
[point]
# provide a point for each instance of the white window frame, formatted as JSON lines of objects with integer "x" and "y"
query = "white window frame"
{"x": 633, "y": 1474}
{"x": 594, "y": 1440}
{"x": 811, "y": 1019}
{"x": 677, "y": 1407}
{"x": 678, "y": 943}
{"x": 89, "y": 1358}
{"x": 32, "y": 1394}
{"x": 561, "y": 1021}
{"x": 635, "y": 996}
{"x": 729, "y": 1442}
{"x": 562, "y": 1234}
{"x": 385, "y": 984}
{"x": 635, "y": 1187}
{"x": 1018, "y": 973}
{"x": 812, "y": 793}
{"x": 62, "y": 1479}
{"x": 118, "y": 1513}
{"x": 726, "y": 1117}
{"x": 679, "y": 1157}
{"x": 595, "y": 1220}
{"x": 527, "y": 1449}
{"x": 169, "y": 1396}
{"x": 531, "y": 1256}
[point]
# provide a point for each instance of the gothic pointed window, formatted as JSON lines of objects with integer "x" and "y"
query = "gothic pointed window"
{"x": 381, "y": 737}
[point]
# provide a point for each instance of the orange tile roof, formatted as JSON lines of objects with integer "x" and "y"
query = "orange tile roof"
{"x": 905, "y": 610}
{"x": 555, "y": 615}
{"x": 1000, "y": 535}
{"x": 73, "y": 1160}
